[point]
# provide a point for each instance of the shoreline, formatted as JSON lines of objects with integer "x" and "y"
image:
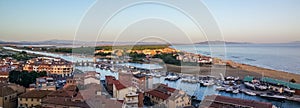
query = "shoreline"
{"x": 232, "y": 69}
{"x": 236, "y": 70}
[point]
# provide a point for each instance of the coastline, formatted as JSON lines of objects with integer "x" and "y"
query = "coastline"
{"x": 232, "y": 69}
{"x": 236, "y": 70}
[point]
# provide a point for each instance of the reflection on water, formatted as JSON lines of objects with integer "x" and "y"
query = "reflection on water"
{"x": 201, "y": 92}
{"x": 191, "y": 89}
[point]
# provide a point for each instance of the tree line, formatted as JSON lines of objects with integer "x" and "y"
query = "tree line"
{"x": 25, "y": 78}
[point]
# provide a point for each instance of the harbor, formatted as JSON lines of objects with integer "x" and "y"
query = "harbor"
{"x": 194, "y": 85}
{"x": 201, "y": 86}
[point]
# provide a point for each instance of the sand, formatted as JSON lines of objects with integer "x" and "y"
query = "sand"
{"x": 239, "y": 70}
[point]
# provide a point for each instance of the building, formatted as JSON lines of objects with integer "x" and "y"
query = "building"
{"x": 53, "y": 66}
{"x": 126, "y": 94}
{"x": 275, "y": 83}
{"x": 142, "y": 82}
{"x": 109, "y": 80}
{"x": 91, "y": 78}
{"x": 68, "y": 97}
{"x": 45, "y": 83}
{"x": 169, "y": 97}
{"x": 8, "y": 97}
{"x": 178, "y": 100}
{"x": 217, "y": 101}
{"x": 4, "y": 77}
{"x": 32, "y": 98}
{"x": 8, "y": 64}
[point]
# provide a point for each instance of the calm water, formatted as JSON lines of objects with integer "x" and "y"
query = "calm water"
{"x": 285, "y": 57}
{"x": 195, "y": 89}
{"x": 201, "y": 92}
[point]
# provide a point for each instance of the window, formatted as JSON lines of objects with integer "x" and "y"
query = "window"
{"x": 31, "y": 99}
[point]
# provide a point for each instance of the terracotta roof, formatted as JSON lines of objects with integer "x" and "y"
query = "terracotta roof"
{"x": 3, "y": 79}
{"x": 118, "y": 85}
{"x": 35, "y": 94}
{"x": 217, "y": 100}
{"x": 4, "y": 73}
{"x": 163, "y": 86}
{"x": 103, "y": 102}
{"x": 5, "y": 90}
{"x": 110, "y": 79}
{"x": 70, "y": 87}
{"x": 158, "y": 94}
{"x": 64, "y": 102}
{"x": 61, "y": 93}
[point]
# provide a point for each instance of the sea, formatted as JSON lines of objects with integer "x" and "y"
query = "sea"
{"x": 283, "y": 57}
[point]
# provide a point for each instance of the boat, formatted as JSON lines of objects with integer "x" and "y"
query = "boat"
{"x": 273, "y": 97}
{"x": 236, "y": 91}
{"x": 237, "y": 78}
{"x": 250, "y": 93}
{"x": 207, "y": 83}
{"x": 229, "y": 89}
{"x": 136, "y": 72}
{"x": 289, "y": 90}
{"x": 261, "y": 87}
{"x": 157, "y": 75}
{"x": 249, "y": 85}
{"x": 220, "y": 88}
{"x": 189, "y": 80}
{"x": 172, "y": 78}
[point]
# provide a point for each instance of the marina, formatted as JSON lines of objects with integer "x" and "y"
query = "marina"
{"x": 198, "y": 86}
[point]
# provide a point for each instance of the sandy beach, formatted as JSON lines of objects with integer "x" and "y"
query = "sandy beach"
{"x": 240, "y": 70}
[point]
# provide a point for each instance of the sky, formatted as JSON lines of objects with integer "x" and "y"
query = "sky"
{"x": 258, "y": 21}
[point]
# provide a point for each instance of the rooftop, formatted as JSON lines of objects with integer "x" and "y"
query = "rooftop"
{"x": 5, "y": 90}
{"x": 213, "y": 101}
{"x": 248, "y": 78}
{"x": 119, "y": 85}
{"x": 158, "y": 94}
{"x": 35, "y": 94}
{"x": 281, "y": 82}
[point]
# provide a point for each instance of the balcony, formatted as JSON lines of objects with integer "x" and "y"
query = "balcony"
{"x": 129, "y": 101}
{"x": 131, "y": 94}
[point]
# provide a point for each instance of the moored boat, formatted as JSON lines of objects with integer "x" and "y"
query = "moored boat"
{"x": 250, "y": 93}
{"x": 207, "y": 83}
{"x": 273, "y": 97}
{"x": 172, "y": 78}
{"x": 236, "y": 91}
{"x": 220, "y": 88}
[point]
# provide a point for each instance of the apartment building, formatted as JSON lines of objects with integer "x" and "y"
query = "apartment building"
{"x": 169, "y": 97}
{"x": 32, "y": 98}
{"x": 54, "y": 66}
{"x": 8, "y": 97}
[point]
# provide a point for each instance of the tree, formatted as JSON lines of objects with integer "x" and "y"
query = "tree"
{"x": 25, "y": 78}
{"x": 293, "y": 80}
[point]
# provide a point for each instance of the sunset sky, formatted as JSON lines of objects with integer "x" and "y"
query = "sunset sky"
{"x": 260, "y": 21}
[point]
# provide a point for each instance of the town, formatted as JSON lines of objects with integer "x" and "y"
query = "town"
{"x": 33, "y": 80}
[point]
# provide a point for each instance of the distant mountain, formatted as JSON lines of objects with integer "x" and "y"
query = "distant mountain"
{"x": 78, "y": 43}
{"x": 221, "y": 42}
{"x": 298, "y": 42}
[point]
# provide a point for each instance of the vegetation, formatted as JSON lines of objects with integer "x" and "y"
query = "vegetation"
{"x": 133, "y": 47}
{"x": 168, "y": 58}
{"x": 25, "y": 78}
{"x": 20, "y": 56}
{"x": 293, "y": 80}
{"x": 136, "y": 57}
{"x": 102, "y": 54}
